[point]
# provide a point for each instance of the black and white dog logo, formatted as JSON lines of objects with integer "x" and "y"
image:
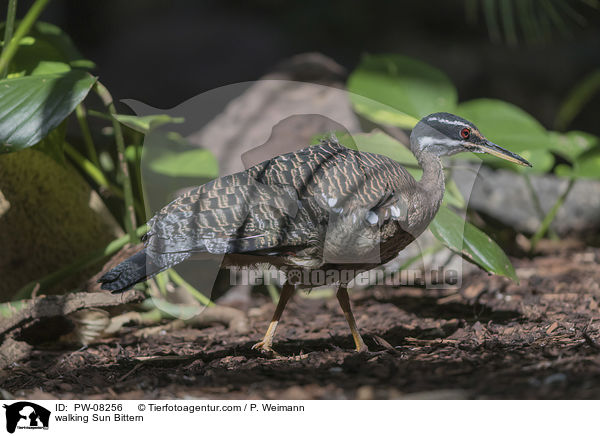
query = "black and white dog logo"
{"x": 26, "y": 415}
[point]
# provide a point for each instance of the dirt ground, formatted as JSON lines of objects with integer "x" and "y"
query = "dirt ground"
{"x": 491, "y": 339}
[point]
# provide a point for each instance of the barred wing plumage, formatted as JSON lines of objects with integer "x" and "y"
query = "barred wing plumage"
{"x": 282, "y": 205}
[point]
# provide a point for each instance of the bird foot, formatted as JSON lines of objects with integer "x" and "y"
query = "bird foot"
{"x": 363, "y": 349}
{"x": 265, "y": 349}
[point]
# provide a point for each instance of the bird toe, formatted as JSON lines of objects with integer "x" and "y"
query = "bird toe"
{"x": 265, "y": 349}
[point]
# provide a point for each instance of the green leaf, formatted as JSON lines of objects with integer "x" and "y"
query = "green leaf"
{"x": 147, "y": 123}
{"x": 106, "y": 162}
{"x": 30, "y": 107}
{"x": 132, "y": 152}
{"x": 471, "y": 243}
{"x": 382, "y": 143}
{"x": 572, "y": 144}
{"x": 46, "y": 43}
{"x": 398, "y": 90}
{"x": 342, "y": 137}
{"x": 198, "y": 163}
{"x": 512, "y": 128}
{"x": 36, "y": 57}
{"x": 46, "y": 50}
{"x": 453, "y": 196}
{"x": 577, "y": 99}
{"x": 63, "y": 42}
{"x": 586, "y": 166}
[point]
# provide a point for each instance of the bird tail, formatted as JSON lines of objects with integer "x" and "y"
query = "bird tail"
{"x": 129, "y": 272}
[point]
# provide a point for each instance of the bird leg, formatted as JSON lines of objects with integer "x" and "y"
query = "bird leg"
{"x": 342, "y": 296}
{"x": 265, "y": 345}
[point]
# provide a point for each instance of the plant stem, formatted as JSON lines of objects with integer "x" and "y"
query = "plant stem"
{"x": 171, "y": 310}
{"x": 87, "y": 135}
{"x": 151, "y": 317}
{"x": 101, "y": 115}
{"x": 577, "y": 99}
{"x": 93, "y": 171}
{"x": 537, "y": 205}
{"x": 547, "y": 221}
{"x": 426, "y": 252}
{"x": 123, "y": 169}
{"x": 96, "y": 174}
{"x": 8, "y": 30}
{"x": 81, "y": 263}
{"x": 11, "y": 47}
{"x": 180, "y": 281}
{"x": 273, "y": 293}
{"x": 137, "y": 171}
{"x": 536, "y": 200}
{"x": 161, "y": 282}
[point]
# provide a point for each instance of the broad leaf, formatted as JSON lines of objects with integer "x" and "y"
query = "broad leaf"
{"x": 398, "y": 90}
{"x": 586, "y": 166}
{"x": 342, "y": 137}
{"x": 199, "y": 163}
{"x": 512, "y": 128}
{"x": 453, "y": 196}
{"x": 133, "y": 153}
{"x": 382, "y": 143}
{"x": 471, "y": 243}
{"x": 46, "y": 50}
{"x": 30, "y": 107}
{"x": 147, "y": 123}
{"x": 36, "y": 57}
{"x": 572, "y": 144}
{"x": 62, "y": 42}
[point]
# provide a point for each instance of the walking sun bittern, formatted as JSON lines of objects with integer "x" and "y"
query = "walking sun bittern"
{"x": 324, "y": 207}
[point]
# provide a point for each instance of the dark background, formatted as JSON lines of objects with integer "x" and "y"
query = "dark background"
{"x": 163, "y": 53}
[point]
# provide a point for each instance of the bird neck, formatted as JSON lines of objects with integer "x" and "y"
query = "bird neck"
{"x": 432, "y": 183}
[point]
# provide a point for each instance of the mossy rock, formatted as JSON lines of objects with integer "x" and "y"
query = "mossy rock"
{"x": 49, "y": 216}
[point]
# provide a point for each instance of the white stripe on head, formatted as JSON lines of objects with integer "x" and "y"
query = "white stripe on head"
{"x": 430, "y": 140}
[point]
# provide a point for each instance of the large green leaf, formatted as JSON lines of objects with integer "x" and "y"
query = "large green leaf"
{"x": 453, "y": 196}
{"x": 572, "y": 144}
{"x": 62, "y": 42}
{"x": 578, "y": 98}
{"x": 37, "y": 57}
{"x": 341, "y": 136}
{"x": 46, "y": 50}
{"x": 586, "y": 166}
{"x": 471, "y": 243}
{"x": 382, "y": 143}
{"x": 147, "y": 123}
{"x": 398, "y": 90}
{"x": 30, "y": 107}
{"x": 511, "y": 128}
{"x": 199, "y": 163}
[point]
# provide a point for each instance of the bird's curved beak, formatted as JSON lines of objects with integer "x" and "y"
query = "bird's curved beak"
{"x": 495, "y": 150}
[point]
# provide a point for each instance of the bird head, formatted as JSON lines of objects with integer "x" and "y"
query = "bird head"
{"x": 445, "y": 134}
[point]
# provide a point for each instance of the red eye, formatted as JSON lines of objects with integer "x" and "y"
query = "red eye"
{"x": 465, "y": 133}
